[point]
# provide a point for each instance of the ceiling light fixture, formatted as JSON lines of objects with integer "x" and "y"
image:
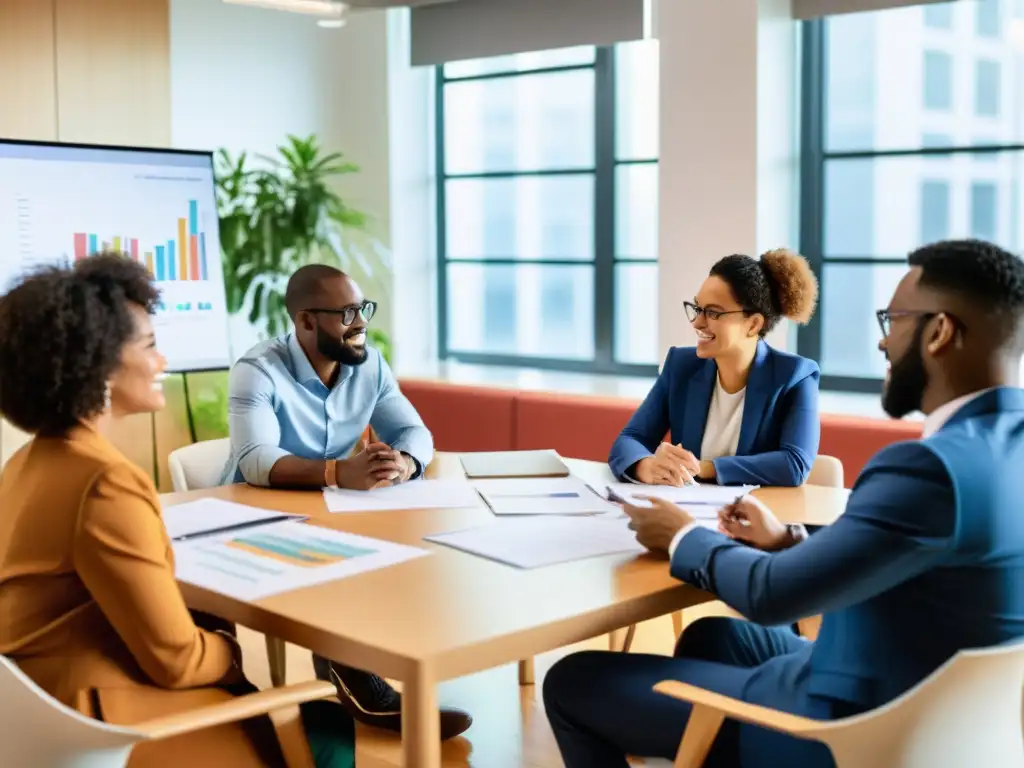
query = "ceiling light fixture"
{"x": 329, "y": 9}
{"x": 331, "y": 23}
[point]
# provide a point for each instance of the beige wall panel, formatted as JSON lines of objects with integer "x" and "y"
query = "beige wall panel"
{"x": 28, "y": 95}
{"x": 113, "y": 71}
{"x": 171, "y": 428}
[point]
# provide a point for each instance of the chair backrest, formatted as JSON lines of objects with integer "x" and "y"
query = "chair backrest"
{"x": 966, "y": 714}
{"x": 199, "y": 465}
{"x": 37, "y": 730}
{"x": 828, "y": 471}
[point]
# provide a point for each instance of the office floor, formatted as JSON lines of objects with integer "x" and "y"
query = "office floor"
{"x": 509, "y": 730}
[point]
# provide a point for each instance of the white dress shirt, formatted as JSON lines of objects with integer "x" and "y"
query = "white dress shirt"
{"x": 722, "y": 429}
{"x": 932, "y": 424}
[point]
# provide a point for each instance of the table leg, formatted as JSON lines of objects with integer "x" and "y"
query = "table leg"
{"x": 421, "y": 721}
{"x": 526, "y": 671}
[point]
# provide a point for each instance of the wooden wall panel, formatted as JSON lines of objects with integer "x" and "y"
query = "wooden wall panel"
{"x": 28, "y": 91}
{"x": 171, "y": 428}
{"x": 114, "y": 71}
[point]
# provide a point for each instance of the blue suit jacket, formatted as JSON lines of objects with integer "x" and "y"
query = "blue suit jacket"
{"x": 780, "y": 429}
{"x": 928, "y": 559}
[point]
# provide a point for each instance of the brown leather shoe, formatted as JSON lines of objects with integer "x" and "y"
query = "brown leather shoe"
{"x": 371, "y": 701}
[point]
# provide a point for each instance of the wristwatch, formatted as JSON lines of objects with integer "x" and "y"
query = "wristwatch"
{"x": 331, "y": 473}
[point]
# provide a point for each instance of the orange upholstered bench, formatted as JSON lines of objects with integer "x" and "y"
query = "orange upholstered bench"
{"x": 469, "y": 418}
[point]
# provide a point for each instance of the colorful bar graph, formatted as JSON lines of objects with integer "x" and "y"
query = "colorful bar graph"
{"x": 80, "y": 246}
{"x": 181, "y": 258}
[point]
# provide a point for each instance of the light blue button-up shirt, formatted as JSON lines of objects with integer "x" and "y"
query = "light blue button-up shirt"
{"x": 278, "y": 406}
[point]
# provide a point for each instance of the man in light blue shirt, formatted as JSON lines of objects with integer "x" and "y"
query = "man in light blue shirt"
{"x": 298, "y": 407}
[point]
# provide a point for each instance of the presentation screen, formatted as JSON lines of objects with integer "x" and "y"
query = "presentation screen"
{"x": 61, "y": 203}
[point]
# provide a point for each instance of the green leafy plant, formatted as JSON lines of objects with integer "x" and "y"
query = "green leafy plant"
{"x": 281, "y": 213}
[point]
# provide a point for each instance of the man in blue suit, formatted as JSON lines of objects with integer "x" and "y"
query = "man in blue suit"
{"x": 928, "y": 558}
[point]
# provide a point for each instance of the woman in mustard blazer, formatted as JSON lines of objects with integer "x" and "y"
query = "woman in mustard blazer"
{"x": 91, "y": 611}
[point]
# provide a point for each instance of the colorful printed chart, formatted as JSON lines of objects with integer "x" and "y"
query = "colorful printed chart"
{"x": 281, "y": 556}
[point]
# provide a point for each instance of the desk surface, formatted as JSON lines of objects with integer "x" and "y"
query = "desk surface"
{"x": 456, "y": 612}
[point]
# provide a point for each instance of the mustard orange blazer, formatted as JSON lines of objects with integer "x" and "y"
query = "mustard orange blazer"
{"x": 89, "y": 605}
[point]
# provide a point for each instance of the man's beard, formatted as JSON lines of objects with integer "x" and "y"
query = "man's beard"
{"x": 338, "y": 350}
{"x": 908, "y": 380}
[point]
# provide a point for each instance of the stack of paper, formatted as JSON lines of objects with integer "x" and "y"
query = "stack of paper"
{"x": 699, "y": 500}
{"x": 532, "y": 542}
{"x": 542, "y": 496}
{"x": 263, "y": 561}
{"x": 195, "y": 518}
{"x": 418, "y": 494}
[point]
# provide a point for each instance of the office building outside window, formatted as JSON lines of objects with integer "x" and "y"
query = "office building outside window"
{"x": 547, "y": 203}
{"x": 912, "y": 132}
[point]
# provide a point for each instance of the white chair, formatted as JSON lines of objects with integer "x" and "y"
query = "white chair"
{"x": 827, "y": 471}
{"x": 965, "y": 714}
{"x": 37, "y": 730}
{"x": 200, "y": 466}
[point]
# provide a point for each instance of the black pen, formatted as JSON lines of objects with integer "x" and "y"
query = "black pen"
{"x": 238, "y": 527}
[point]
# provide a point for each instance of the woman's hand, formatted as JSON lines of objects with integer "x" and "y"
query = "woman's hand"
{"x": 670, "y": 465}
{"x": 751, "y": 522}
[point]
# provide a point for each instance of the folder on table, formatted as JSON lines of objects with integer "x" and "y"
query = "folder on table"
{"x": 513, "y": 464}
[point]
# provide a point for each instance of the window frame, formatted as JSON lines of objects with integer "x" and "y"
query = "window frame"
{"x": 814, "y": 158}
{"x": 605, "y": 256}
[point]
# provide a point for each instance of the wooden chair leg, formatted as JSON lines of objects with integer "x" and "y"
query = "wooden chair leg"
{"x": 526, "y": 672}
{"x": 700, "y": 733}
{"x": 276, "y": 660}
{"x": 677, "y": 623}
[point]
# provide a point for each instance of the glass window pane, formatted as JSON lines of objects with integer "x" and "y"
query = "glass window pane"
{"x": 938, "y": 16}
{"x": 521, "y": 62}
{"x": 636, "y": 211}
{"x": 636, "y": 100}
{"x": 984, "y": 207}
{"x": 989, "y": 23}
{"x": 938, "y": 80}
{"x": 528, "y": 310}
{"x": 636, "y": 313}
{"x": 530, "y": 122}
{"x": 986, "y": 88}
{"x": 886, "y": 207}
{"x": 528, "y": 217}
{"x": 850, "y": 295}
{"x": 934, "y": 211}
{"x": 894, "y": 75}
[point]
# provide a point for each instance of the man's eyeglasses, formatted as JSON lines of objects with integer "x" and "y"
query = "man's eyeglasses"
{"x": 886, "y": 316}
{"x": 348, "y": 314}
{"x": 693, "y": 311}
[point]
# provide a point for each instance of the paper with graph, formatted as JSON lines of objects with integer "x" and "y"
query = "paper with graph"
{"x": 259, "y": 562}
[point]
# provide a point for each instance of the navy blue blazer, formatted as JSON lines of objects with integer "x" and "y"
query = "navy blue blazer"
{"x": 927, "y": 560}
{"x": 780, "y": 429}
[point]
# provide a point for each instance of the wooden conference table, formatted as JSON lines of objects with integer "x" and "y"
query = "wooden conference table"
{"x": 451, "y": 614}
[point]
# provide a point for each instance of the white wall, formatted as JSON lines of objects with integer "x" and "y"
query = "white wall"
{"x": 244, "y": 78}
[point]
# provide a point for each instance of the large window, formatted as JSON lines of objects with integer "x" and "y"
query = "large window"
{"x": 913, "y": 131}
{"x": 547, "y": 206}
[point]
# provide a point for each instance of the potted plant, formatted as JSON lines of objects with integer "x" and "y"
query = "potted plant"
{"x": 282, "y": 214}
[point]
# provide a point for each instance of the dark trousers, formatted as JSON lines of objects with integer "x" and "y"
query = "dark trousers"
{"x": 602, "y": 707}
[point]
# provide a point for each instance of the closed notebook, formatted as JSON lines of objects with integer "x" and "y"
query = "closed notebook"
{"x": 513, "y": 464}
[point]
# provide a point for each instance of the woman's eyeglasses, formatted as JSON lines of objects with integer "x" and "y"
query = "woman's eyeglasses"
{"x": 693, "y": 311}
{"x": 348, "y": 314}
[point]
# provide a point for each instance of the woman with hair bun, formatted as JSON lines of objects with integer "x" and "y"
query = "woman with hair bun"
{"x": 737, "y": 411}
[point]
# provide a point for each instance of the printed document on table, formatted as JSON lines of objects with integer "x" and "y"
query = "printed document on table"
{"x": 542, "y": 496}
{"x": 700, "y": 500}
{"x": 533, "y": 542}
{"x": 417, "y": 494}
{"x": 212, "y": 514}
{"x": 279, "y": 557}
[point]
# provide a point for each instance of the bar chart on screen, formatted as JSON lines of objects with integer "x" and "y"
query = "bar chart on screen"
{"x": 181, "y": 256}
{"x": 62, "y": 204}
